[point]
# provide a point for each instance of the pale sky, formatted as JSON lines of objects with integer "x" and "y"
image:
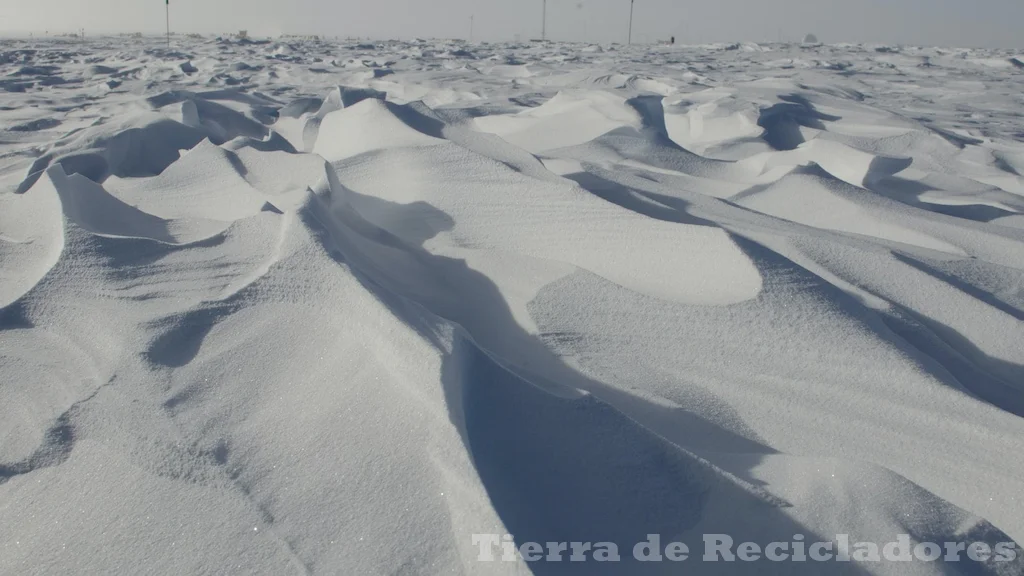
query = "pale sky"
{"x": 995, "y": 23}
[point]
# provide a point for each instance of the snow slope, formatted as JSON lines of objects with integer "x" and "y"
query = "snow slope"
{"x": 309, "y": 306}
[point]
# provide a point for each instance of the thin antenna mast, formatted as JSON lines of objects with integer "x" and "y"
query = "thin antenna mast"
{"x": 544, "y": 23}
{"x": 167, "y": 16}
{"x": 630, "y": 40}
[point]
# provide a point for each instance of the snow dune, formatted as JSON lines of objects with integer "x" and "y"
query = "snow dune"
{"x": 308, "y": 306}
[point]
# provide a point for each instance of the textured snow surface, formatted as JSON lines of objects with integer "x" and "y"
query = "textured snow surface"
{"x": 302, "y": 306}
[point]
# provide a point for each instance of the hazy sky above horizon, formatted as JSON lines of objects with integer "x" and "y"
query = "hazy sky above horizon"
{"x": 942, "y": 22}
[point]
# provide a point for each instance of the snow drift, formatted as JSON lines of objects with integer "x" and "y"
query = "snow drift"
{"x": 294, "y": 317}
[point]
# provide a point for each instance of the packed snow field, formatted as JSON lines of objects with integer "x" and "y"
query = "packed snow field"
{"x": 303, "y": 306}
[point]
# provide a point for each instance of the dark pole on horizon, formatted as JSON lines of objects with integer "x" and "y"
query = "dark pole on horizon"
{"x": 544, "y": 23}
{"x": 167, "y": 18}
{"x": 630, "y": 40}
{"x": 471, "y": 17}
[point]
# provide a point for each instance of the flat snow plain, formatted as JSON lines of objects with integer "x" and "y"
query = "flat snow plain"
{"x": 306, "y": 306}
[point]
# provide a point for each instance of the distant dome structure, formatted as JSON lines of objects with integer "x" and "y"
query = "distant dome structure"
{"x": 810, "y": 39}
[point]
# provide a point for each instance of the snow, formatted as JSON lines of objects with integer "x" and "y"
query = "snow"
{"x": 311, "y": 306}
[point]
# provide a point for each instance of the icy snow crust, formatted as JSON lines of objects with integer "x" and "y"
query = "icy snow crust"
{"x": 325, "y": 307}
